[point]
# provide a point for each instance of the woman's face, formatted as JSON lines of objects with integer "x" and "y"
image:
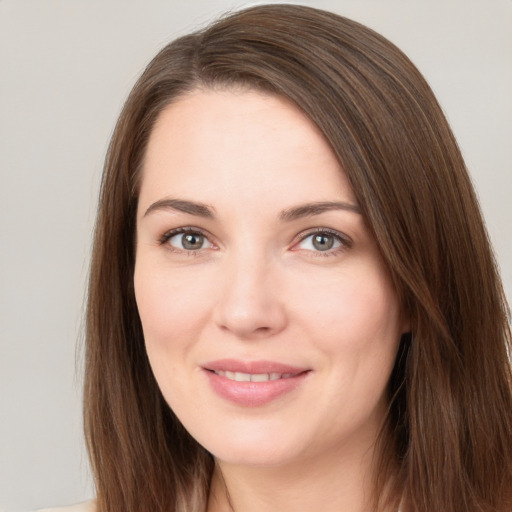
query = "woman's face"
{"x": 270, "y": 320}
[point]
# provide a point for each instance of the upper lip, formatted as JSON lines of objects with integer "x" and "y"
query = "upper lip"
{"x": 252, "y": 367}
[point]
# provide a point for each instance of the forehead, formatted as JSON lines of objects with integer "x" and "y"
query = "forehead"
{"x": 240, "y": 141}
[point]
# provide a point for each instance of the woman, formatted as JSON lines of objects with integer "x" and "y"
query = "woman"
{"x": 293, "y": 302}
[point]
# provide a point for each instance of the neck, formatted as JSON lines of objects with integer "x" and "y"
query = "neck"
{"x": 342, "y": 480}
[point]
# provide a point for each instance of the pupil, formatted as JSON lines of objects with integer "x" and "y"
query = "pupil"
{"x": 323, "y": 242}
{"x": 192, "y": 241}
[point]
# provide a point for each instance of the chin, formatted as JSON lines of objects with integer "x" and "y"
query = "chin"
{"x": 252, "y": 448}
{"x": 254, "y": 457}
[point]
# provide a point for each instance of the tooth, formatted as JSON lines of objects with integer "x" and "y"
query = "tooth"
{"x": 259, "y": 377}
{"x": 256, "y": 377}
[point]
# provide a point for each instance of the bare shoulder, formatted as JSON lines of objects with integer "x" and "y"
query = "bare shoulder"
{"x": 86, "y": 506}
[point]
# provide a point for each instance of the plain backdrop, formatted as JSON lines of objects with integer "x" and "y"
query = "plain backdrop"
{"x": 65, "y": 68}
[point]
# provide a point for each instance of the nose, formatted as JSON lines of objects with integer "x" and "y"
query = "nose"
{"x": 250, "y": 305}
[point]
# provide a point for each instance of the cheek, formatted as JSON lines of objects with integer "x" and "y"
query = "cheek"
{"x": 169, "y": 308}
{"x": 354, "y": 319}
{"x": 170, "y": 304}
{"x": 352, "y": 304}
{"x": 358, "y": 327}
{"x": 370, "y": 308}
{"x": 174, "y": 306}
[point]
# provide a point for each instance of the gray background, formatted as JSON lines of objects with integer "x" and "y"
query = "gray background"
{"x": 65, "y": 68}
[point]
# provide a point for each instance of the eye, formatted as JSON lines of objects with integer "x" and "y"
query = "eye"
{"x": 323, "y": 241}
{"x": 186, "y": 240}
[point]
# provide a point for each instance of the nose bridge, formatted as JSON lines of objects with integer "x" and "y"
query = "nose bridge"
{"x": 249, "y": 304}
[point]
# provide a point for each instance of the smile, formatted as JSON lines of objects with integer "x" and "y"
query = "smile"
{"x": 253, "y": 383}
{"x": 253, "y": 377}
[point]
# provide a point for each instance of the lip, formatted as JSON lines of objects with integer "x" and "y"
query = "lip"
{"x": 253, "y": 394}
{"x": 236, "y": 365}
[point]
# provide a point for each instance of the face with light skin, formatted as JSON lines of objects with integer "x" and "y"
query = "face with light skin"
{"x": 251, "y": 247}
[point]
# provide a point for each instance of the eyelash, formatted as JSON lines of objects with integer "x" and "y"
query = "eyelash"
{"x": 164, "y": 239}
{"x": 344, "y": 240}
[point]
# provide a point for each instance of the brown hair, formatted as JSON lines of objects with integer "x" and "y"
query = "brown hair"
{"x": 447, "y": 443}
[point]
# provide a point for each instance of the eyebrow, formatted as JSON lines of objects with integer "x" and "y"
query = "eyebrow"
{"x": 287, "y": 215}
{"x": 310, "y": 209}
{"x": 181, "y": 205}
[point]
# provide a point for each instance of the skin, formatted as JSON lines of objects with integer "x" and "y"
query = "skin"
{"x": 259, "y": 289}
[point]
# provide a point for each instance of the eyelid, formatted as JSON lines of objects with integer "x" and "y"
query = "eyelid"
{"x": 165, "y": 237}
{"x": 346, "y": 241}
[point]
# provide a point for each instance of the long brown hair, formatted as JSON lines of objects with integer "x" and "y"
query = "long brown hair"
{"x": 447, "y": 442}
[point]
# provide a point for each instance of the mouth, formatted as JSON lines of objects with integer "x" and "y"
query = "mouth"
{"x": 253, "y": 377}
{"x": 255, "y": 383}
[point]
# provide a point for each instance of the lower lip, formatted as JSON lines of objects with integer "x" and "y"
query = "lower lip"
{"x": 253, "y": 394}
